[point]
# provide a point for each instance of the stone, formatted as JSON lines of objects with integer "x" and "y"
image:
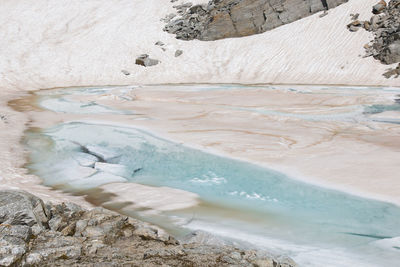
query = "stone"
{"x": 125, "y": 72}
{"x": 178, "y": 53}
{"x": 379, "y": 7}
{"x": 354, "y": 16}
{"x": 392, "y": 53}
{"x": 159, "y": 43}
{"x": 146, "y": 61}
{"x": 393, "y": 72}
{"x": 22, "y": 208}
{"x": 354, "y": 25}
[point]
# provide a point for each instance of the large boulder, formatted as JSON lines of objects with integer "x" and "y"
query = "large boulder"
{"x": 22, "y": 208}
{"x": 145, "y": 61}
{"x": 391, "y": 54}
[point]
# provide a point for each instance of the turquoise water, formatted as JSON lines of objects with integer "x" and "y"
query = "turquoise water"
{"x": 314, "y": 225}
{"x": 290, "y": 210}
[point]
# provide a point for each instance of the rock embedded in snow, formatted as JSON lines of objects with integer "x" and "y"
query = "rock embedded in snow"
{"x": 178, "y": 53}
{"x": 354, "y": 26}
{"x": 125, "y": 72}
{"x": 393, "y": 72}
{"x": 379, "y": 7}
{"x": 235, "y": 18}
{"x": 386, "y": 29}
{"x": 146, "y": 61}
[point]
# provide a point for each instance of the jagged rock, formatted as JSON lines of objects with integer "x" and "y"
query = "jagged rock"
{"x": 235, "y": 18}
{"x": 98, "y": 237}
{"x": 354, "y": 16}
{"x": 391, "y": 54}
{"x": 146, "y": 61}
{"x": 379, "y": 7}
{"x": 21, "y": 208}
{"x": 393, "y": 72}
{"x": 386, "y": 29}
{"x": 354, "y": 25}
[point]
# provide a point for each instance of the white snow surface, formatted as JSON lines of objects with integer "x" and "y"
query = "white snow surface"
{"x": 54, "y": 43}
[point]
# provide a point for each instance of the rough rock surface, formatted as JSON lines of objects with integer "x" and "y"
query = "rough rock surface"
{"x": 36, "y": 234}
{"x": 385, "y": 25}
{"x": 146, "y": 61}
{"x": 235, "y": 18}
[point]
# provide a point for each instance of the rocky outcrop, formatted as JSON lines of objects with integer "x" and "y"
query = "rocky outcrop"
{"x": 385, "y": 25}
{"x": 33, "y": 233}
{"x": 235, "y": 18}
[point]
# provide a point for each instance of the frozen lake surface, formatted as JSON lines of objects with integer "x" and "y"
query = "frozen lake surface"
{"x": 314, "y": 225}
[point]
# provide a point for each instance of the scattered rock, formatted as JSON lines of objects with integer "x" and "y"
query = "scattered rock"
{"x": 71, "y": 235}
{"x": 3, "y": 118}
{"x": 354, "y": 16}
{"x": 235, "y": 18}
{"x": 178, "y": 53}
{"x": 146, "y": 61}
{"x": 126, "y": 72}
{"x": 379, "y": 7}
{"x": 393, "y": 72}
{"x": 354, "y": 25}
{"x": 386, "y": 29}
{"x": 159, "y": 43}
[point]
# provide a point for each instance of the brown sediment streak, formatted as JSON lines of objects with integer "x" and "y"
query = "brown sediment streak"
{"x": 292, "y": 142}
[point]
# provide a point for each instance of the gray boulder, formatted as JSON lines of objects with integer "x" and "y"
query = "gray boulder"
{"x": 146, "y": 61}
{"x": 22, "y": 208}
{"x": 178, "y": 53}
{"x": 391, "y": 54}
{"x": 379, "y": 7}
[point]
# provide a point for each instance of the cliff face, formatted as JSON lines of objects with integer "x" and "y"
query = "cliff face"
{"x": 236, "y": 18}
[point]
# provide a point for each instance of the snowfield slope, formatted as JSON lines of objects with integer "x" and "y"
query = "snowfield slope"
{"x": 52, "y": 43}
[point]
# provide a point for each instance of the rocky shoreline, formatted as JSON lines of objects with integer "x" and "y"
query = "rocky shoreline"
{"x": 34, "y": 233}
